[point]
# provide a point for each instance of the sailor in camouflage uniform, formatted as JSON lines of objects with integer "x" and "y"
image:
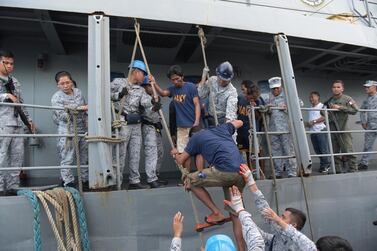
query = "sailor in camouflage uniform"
{"x": 281, "y": 144}
{"x": 341, "y": 142}
{"x": 369, "y": 121}
{"x": 11, "y": 149}
{"x": 70, "y": 97}
{"x": 223, "y": 93}
{"x": 152, "y": 140}
{"x": 286, "y": 233}
{"x": 132, "y": 100}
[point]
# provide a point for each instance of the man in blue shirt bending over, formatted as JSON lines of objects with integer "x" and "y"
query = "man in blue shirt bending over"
{"x": 218, "y": 148}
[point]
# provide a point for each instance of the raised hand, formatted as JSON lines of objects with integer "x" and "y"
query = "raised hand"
{"x": 178, "y": 224}
{"x": 247, "y": 175}
{"x": 235, "y": 200}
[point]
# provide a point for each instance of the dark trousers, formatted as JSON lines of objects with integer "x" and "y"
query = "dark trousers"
{"x": 321, "y": 146}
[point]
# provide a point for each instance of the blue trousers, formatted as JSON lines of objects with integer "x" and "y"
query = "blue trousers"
{"x": 321, "y": 146}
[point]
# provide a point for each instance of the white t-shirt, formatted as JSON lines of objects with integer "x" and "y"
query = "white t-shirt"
{"x": 313, "y": 115}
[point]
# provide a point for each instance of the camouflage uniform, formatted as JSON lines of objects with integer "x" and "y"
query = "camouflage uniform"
{"x": 151, "y": 131}
{"x": 11, "y": 149}
{"x": 250, "y": 232}
{"x": 176, "y": 244}
{"x": 281, "y": 145}
{"x": 66, "y": 146}
{"x": 369, "y": 118}
{"x": 134, "y": 102}
{"x": 225, "y": 99}
{"x": 342, "y": 142}
{"x": 288, "y": 239}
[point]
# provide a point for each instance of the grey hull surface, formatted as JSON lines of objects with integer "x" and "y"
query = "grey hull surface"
{"x": 343, "y": 205}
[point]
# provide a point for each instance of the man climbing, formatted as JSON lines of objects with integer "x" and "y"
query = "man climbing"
{"x": 218, "y": 148}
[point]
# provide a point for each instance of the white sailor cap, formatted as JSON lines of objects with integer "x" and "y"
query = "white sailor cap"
{"x": 274, "y": 82}
{"x": 369, "y": 83}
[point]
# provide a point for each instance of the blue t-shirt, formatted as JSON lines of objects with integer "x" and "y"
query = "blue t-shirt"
{"x": 217, "y": 147}
{"x": 182, "y": 98}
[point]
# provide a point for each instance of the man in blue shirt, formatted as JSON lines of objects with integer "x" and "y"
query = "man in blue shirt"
{"x": 186, "y": 103}
{"x": 218, "y": 148}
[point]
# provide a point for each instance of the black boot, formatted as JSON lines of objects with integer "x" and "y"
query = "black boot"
{"x": 136, "y": 186}
{"x": 155, "y": 184}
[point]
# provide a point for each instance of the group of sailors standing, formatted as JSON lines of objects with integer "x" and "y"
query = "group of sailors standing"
{"x": 138, "y": 111}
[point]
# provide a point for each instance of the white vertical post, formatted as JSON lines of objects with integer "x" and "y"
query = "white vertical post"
{"x": 101, "y": 173}
{"x": 295, "y": 116}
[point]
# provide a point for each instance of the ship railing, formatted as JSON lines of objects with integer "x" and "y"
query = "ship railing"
{"x": 331, "y": 154}
{"x": 46, "y": 135}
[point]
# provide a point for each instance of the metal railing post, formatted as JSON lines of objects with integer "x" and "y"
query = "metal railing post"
{"x": 256, "y": 143}
{"x": 329, "y": 141}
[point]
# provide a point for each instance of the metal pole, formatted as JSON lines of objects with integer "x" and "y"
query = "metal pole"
{"x": 101, "y": 173}
{"x": 256, "y": 143}
{"x": 368, "y": 13}
{"x": 294, "y": 112}
{"x": 329, "y": 141}
{"x": 40, "y": 168}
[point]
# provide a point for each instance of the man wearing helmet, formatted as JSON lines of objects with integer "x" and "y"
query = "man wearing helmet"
{"x": 131, "y": 99}
{"x": 224, "y": 95}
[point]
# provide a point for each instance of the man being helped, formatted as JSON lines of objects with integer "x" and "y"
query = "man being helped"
{"x": 341, "y": 142}
{"x": 187, "y": 106}
{"x": 369, "y": 121}
{"x": 11, "y": 149}
{"x": 131, "y": 99}
{"x": 286, "y": 229}
{"x": 218, "y": 148}
{"x": 219, "y": 89}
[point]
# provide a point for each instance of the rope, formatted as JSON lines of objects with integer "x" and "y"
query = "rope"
{"x": 77, "y": 148}
{"x": 271, "y": 162}
{"x": 165, "y": 126}
{"x": 91, "y": 139}
{"x": 306, "y": 203}
{"x": 36, "y": 219}
{"x": 82, "y": 218}
{"x": 203, "y": 41}
{"x": 117, "y": 157}
{"x": 65, "y": 202}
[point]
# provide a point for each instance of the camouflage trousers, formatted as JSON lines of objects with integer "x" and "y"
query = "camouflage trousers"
{"x": 131, "y": 145}
{"x": 160, "y": 152}
{"x": 11, "y": 155}
{"x": 67, "y": 156}
{"x": 151, "y": 151}
{"x": 282, "y": 145}
{"x": 369, "y": 139}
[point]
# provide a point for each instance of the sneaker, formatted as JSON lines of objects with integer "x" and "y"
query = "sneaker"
{"x": 324, "y": 169}
{"x": 362, "y": 167}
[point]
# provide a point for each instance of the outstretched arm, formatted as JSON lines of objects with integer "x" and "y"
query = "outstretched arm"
{"x": 159, "y": 90}
{"x": 176, "y": 243}
{"x": 250, "y": 232}
{"x": 289, "y": 231}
